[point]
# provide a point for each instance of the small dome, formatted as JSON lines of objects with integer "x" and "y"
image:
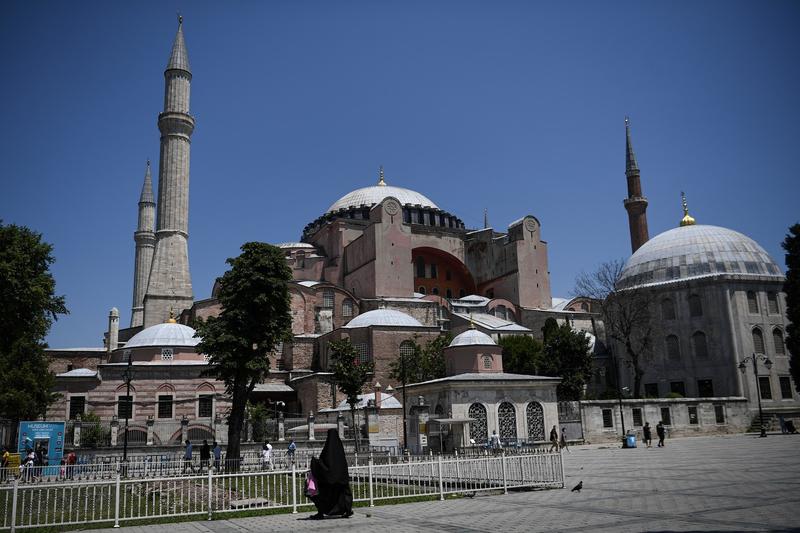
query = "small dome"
{"x": 294, "y": 245}
{"x": 168, "y": 334}
{"x": 696, "y": 251}
{"x": 383, "y": 317}
{"x": 473, "y": 337}
{"x": 375, "y": 194}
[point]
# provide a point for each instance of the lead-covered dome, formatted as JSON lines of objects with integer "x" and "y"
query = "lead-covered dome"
{"x": 472, "y": 337}
{"x": 369, "y": 196}
{"x": 383, "y": 317}
{"x": 167, "y": 334}
{"x": 698, "y": 251}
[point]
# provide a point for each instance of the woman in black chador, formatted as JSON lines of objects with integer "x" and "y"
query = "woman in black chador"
{"x": 333, "y": 497}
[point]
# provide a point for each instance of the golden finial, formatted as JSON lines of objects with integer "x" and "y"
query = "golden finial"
{"x": 381, "y": 181}
{"x": 687, "y": 219}
{"x": 171, "y": 319}
{"x": 471, "y": 322}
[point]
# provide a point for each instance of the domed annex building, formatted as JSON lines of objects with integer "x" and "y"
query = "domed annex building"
{"x": 382, "y": 266}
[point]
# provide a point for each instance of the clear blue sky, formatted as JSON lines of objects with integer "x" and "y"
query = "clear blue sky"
{"x": 516, "y": 107}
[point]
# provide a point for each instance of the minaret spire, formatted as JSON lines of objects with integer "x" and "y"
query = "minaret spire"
{"x": 145, "y": 240}
{"x": 635, "y": 203}
{"x": 381, "y": 181}
{"x": 170, "y": 285}
{"x": 687, "y": 220}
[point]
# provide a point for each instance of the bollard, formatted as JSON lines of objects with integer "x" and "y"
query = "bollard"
{"x": 116, "y": 502}
{"x": 441, "y": 484}
{"x": 210, "y": 510}
{"x": 371, "y": 499}
{"x": 294, "y": 489}
{"x": 505, "y": 480}
{"x": 14, "y": 506}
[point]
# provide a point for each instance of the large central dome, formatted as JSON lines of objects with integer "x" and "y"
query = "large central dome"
{"x": 370, "y": 196}
{"x": 698, "y": 251}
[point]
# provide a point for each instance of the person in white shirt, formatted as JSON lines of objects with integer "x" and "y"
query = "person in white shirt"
{"x": 266, "y": 456}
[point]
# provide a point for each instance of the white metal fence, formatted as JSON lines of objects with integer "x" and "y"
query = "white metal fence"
{"x": 65, "y": 503}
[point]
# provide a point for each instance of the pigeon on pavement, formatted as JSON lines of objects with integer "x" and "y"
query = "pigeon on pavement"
{"x": 578, "y": 487}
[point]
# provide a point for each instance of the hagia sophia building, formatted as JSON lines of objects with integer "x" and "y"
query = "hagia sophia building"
{"x": 385, "y": 265}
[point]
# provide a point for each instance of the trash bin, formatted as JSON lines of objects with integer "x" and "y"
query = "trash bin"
{"x": 630, "y": 441}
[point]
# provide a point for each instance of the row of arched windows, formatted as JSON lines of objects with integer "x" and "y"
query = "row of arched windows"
{"x": 700, "y": 345}
{"x": 506, "y": 422}
{"x": 329, "y": 302}
{"x": 778, "y": 342}
{"x": 668, "y": 307}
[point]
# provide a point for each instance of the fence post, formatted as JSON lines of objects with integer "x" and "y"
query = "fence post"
{"x": 294, "y": 489}
{"x": 371, "y": 496}
{"x": 441, "y": 483}
{"x": 505, "y": 480}
{"x": 116, "y": 501}
{"x": 561, "y": 460}
{"x": 210, "y": 508}
{"x": 14, "y": 506}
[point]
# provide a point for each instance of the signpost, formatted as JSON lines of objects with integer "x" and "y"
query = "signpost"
{"x": 48, "y": 435}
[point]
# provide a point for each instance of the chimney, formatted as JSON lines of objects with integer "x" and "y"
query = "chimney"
{"x": 113, "y": 330}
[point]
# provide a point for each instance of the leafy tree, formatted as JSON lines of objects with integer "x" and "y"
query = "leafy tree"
{"x": 424, "y": 363}
{"x": 28, "y": 307}
{"x": 93, "y": 434}
{"x": 522, "y": 354}
{"x": 567, "y": 355}
{"x": 350, "y": 374}
{"x": 626, "y": 314}
{"x": 255, "y": 317}
{"x": 792, "y": 289}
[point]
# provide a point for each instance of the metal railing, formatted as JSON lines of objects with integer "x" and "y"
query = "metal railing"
{"x": 34, "y": 505}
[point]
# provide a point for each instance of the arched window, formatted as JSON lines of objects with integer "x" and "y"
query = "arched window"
{"x": 667, "y": 309}
{"x": 435, "y": 291}
{"x": 507, "y": 420}
{"x": 487, "y": 361}
{"x": 421, "y": 290}
{"x": 500, "y": 311}
{"x": 695, "y": 306}
{"x": 758, "y": 341}
{"x": 347, "y": 307}
{"x": 772, "y": 303}
{"x": 752, "y": 302}
{"x": 327, "y": 298}
{"x": 439, "y": 411}
{"x": 584, "y": 307}
{"x": 477, "y": 427}
{"x": 363, "y": 351}
{"x": 535, "y": 416}
{"x": 420, "y": 267}
{"x": 449, "y": 293}
{"x": 673, "y": 347}
{"x": 699, "y": 343}
{"x": 777, "y": 339}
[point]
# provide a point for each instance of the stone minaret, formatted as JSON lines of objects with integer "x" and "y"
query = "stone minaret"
{"x": 113, "y": 330}
{"x": 635, "y": 203}
{"x": 170, "y": 286}
{"x": 145, "y": 242}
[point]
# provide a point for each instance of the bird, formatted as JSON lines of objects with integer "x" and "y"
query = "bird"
{"x": 578, "y": 487}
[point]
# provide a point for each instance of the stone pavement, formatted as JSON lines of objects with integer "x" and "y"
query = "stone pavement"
{"x": 724, "y": 483}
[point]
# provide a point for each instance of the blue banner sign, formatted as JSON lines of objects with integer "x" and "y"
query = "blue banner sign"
{"x": 49, "y": 436}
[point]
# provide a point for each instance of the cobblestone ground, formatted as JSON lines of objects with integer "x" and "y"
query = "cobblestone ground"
{"x": 730, "y": 483}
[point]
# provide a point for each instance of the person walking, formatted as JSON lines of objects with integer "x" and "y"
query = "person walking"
{"x": 187, "y": 457}
{"x": 563, "y": 441}
{"x": 648, "y": 437}
{"x": 205, "y": 455}
{"x": 266, "y": 455}
{"x": 661, "y": 432}
{"x": 333, "y": 497}
{"x": 4, "y": 464}
{"x": 72, "y": 460}
{"x": 553, "y": 439}
{"x": 495, "y": 442}
{"x": 217, "y": 456}
{"x": 290, "y": 451}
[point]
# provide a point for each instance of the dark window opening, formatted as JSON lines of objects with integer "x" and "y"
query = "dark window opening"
{"x": 608, "y": 418}
{"x": 677, "y": 387}
{"x": 124, "y": 406}
{"x": 420, "y": 267}
{"x": 205, "y": 405}
{"x": 666, "y": 418}
{"x": 165, "y": 406}
{"x": 695, "y": 306}
{"x": 705, "y": 388}
{"x": 449, "y": 293}
{"x": 637, "y": 416}
{"x": 434, "y": 272}
{"x": 719, "y": 414}
{"x": 693, "y": 415}
{"x": 651, "y": 390}
{"x": 766, "y": 387}
{"x": 752, "y": 302}
{"x": 77, "y": 406}
{"x": 786, "y": 387}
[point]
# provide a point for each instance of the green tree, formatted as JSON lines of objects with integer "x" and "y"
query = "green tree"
{"x": 792, "y": 289}
{"x": 424, "y": 362}
{"x": 93, "y": 434}
{"x": 567, "y": 355}
{"x": 522, "y": 354}
{"x": 28, "y": 307}
{"x": 255, "y": 317}
{"x": 350, "y": 374}
{"x": 626, "y": 315}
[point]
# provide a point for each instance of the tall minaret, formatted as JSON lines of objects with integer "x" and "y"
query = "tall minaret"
{"x": 145, "y": 242}
{"x": 635, "y": 203}
{"x": 170, "y": 285}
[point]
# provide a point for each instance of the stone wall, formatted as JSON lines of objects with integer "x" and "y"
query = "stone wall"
{"x": 737, "y": 417}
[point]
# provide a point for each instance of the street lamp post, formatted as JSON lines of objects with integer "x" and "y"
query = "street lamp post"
{"x": 743, "y": 368}
{"x": 403, "y": 375}
{"x": 127, "y": 376}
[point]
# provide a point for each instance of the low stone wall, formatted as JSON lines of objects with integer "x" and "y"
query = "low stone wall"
{"x": 682, "y": 417}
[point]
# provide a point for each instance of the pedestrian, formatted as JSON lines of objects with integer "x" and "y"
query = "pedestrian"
{"x": 661, "y": 432}
{"x": 217, "y": 456}
{"x": 4, "y": 464}
{"x": 266, "y": 455}
{"x": 648, "y": 437}
{"x": 290, "y": 451}
{"x": 563, "y": 442}
{"x": 205, "y": 455}
{"x": 187, "y": 457}
{"x": 782, "y": 422}
{"x": 553, "y": 439}
{"x": 72, "y": 459}
{"x": 332, "y": 480}
{"x": 494, "y": 441}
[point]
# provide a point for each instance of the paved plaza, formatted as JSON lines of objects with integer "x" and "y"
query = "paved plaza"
{"x": 727, "y": 483}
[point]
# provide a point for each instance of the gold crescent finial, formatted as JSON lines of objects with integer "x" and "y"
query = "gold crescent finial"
{"x": 180, "y": 18}
{"x": 171, "y": 319}
{"x": 381, "y": 181}
{"x": 687, "y": 220}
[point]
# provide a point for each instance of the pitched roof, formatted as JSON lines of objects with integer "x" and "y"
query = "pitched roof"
{"x": 179, "y": 58}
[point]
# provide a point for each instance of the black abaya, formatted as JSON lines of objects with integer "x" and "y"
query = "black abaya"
{"x": 333, "y": 480}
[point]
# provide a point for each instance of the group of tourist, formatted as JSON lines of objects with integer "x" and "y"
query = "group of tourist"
{"x": 647, "y": 435}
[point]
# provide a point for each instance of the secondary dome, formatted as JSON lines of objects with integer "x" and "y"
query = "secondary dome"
{"x": 472, "y": 337}
{"x": 698, "y": 251}
{"x": 383, "y": 317}
{"x": 167, "y": 334}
